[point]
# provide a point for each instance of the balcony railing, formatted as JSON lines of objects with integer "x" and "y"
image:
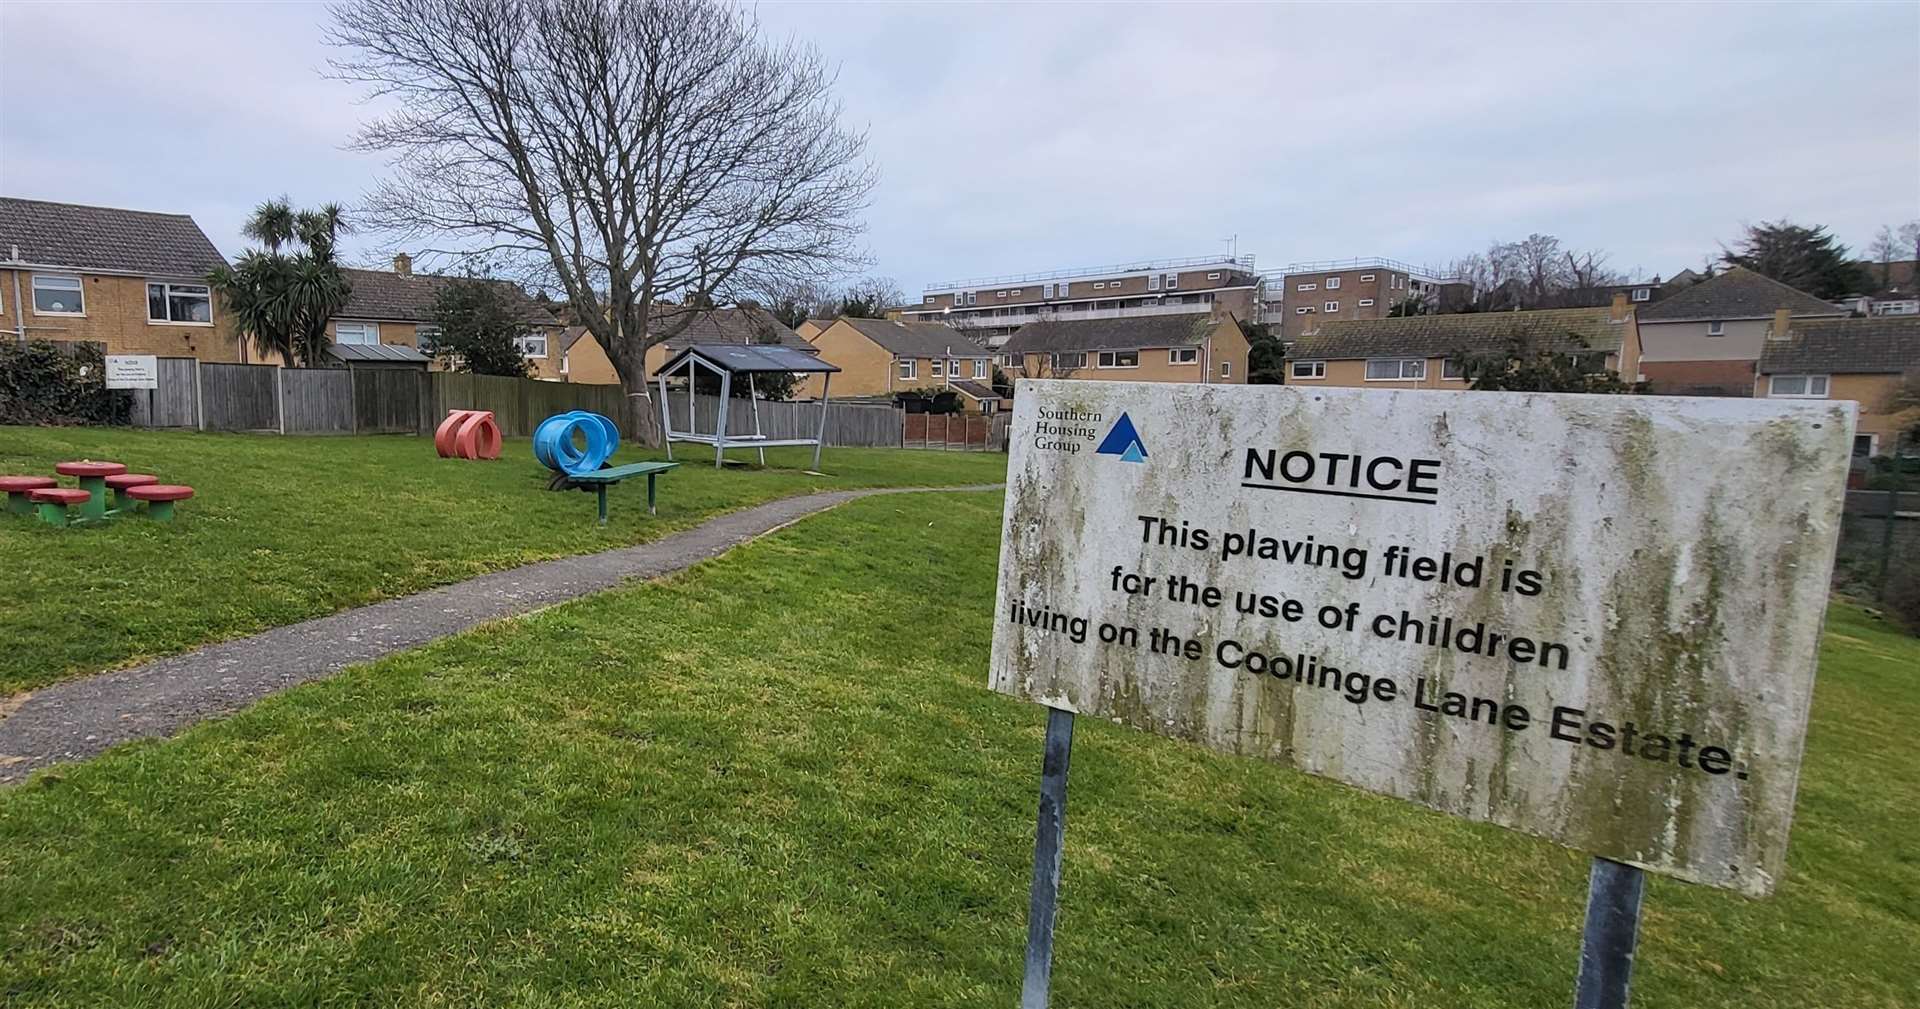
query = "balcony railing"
{"x": 1363, "y": 263}
{"x": 1064, "y": 313}
{"x": 1237, "y": 262}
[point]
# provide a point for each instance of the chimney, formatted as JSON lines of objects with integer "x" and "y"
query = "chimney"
{"x": 1620, "y": 309}
{"x": 403, "y": 264}
{"x": 1782, "y": 324}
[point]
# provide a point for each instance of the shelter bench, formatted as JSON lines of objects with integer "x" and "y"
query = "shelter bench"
{"x": 601, "y": 479}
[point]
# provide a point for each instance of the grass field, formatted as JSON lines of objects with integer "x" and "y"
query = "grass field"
{"x": 283, "y": 529}
{"x": 779, "y": 780}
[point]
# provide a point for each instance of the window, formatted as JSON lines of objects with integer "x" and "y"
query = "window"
{"x": 1306, "y": 287}
{"x": 1409, "y": 369}
{"x": 979, "y": 367}
{"x": 1119, "y": 359}
{"x": 1068, "y": 362}
{"x": 1332, "y": 306}
{"x": 1642, "y": 294}
{"x": 1716, "y": 328}
{"x": 532, "y": 344}
{"x": 1226, "y": 369}
{"x": 1866, "y": 446}
{"x": 1153, "y": 282}
{"x": 931, "y": 299}
{"x": 939, "y": 368}
{"x": 1173, "y": 281}
{"x": 1333, "y": 283}
{"x": 1798, "y": 386}
{"x": 1213, "y": 276}
{"x": 1309, "y": 369}
{"x": 427, "y": 335}
{"x": 187, "y": 303}
{"x": 57, "y": 295}
{"x": 1046, "y": 290}
{"x": 1450, "y": 368}
{"x": 1099, "y": 285}
{"x": 1366, "y": 302}
{"x": 1303, "y": 310}
{"x": 1896, "y": 308}
{"x": 1183, "y": 355}
{"x": 999, "y": 294}
{"x": 1006, "y": 360}
{"x": 1366, "y": 278}
{"x": 969, "y": 297}
{"x": 953, "y": 369}
{"x": 906, "y": 368}
{"x": 1016, "y": 292}
{"x": 364, "y": 333}
{"x": 1061, "y": 290}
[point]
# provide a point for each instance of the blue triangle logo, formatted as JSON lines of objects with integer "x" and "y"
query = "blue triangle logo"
{"x": 1123, "y": 441}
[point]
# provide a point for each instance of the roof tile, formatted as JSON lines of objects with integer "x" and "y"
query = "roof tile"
{"x": 1739, "y": 293}
{"x": 1559, "y": 329}
{"x": 106, "y": 239}
{"x": 1846, "y": 346}
{"x": 1053, "y": 336}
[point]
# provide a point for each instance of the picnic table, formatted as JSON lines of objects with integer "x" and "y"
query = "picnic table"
{"x": 93, "y": 479}
{"x": 601, "y": 479}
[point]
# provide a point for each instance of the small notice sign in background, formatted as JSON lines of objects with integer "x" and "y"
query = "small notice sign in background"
{"x": 1590, "y": 618}
{"x": 132, "y": 371}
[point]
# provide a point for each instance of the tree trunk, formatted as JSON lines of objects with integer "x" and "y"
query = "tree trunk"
{"x": 643, "y": 411}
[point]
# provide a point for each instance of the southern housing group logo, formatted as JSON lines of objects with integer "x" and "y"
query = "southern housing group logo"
{"x": 1069, "y": 430}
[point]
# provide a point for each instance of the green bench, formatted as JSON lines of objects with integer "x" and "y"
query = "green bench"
{"x": 600, "y": 480}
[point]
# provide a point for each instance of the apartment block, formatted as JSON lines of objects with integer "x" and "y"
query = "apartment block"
{"x": 991, "y": 308}
{"x": 1299, "y": 298}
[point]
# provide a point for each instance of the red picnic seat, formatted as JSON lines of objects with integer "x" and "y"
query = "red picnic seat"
{"x": 53, "y": 502}
{"x": 120, "y": 483}
{"x": 20, "y": 488}
{"x": 160, "y": 497}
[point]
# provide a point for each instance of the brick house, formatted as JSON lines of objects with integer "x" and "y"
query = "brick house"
{"x": 1864, "y": 360}
{"x": 1706, "y": 339}
{"x": 395, "y": 309}
{"x": 1416, "y": 352}
{"x": 882, "y": 357}
{"x": 1168, "y": 348}
{"x": 133, "y": 280}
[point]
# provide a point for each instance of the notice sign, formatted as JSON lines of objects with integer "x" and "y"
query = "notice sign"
{"x": 133, "y": 371}
{"x": 1590, "y": 618}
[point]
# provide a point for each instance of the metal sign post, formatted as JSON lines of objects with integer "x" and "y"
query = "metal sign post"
{"x": 1614, "y": 891}
{"x": 1048, "y": 836}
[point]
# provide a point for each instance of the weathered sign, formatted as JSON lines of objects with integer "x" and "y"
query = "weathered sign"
{"x": 133, "y": 371}
{"x": 1590, "y": 618}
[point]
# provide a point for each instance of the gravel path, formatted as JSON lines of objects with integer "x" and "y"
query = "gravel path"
{"x": 76, "y": 719}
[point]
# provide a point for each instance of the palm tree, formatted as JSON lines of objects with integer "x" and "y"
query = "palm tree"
{"x": 282, "y": 300}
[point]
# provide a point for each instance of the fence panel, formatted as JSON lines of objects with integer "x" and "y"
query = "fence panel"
{"x": 239, "y": 397}
{"x": 172, "y": 403}
{"x": 317, "y": 400}
{"x": 386, "y": 400}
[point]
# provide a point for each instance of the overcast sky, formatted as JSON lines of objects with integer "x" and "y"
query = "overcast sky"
{"x": 1031, "y": 137}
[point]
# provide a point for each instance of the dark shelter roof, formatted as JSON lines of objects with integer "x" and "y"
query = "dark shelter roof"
{"x": 746, "y": 359}
{"x": 377, "y": 352}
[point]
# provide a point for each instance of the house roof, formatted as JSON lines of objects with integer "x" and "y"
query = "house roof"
{"x": 1739, "y": 293}
{"x": 724, "y": 325}
{"x": 749, "y": 358}
{"x": 1559, "y": 329}
{"x": 105, "y": 239}
{"x": 383, "y": 296}
{"x": 918, "y": 339}
{"x": 1052, "y": 336}
{"x": 1880, "y": 345}
{"x": 571, "y": 335}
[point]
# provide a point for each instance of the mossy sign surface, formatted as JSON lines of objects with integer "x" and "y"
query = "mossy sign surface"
{"x": 1590, "y": 618}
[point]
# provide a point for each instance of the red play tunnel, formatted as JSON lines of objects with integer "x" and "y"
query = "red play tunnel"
{"x": 468, "y": 434}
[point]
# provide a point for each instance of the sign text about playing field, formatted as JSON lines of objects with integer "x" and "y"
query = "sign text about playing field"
{"x": 132, "y": 371}
{"x": 1591, "y": 618}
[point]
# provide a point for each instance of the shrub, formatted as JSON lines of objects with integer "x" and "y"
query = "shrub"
{"x": 1901, "y": 597}
{"x": 48, "y": 382}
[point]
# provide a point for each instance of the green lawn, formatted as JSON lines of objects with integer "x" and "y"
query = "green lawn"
{"x": 779, "y": 780}
{"x": 283, "y": 529}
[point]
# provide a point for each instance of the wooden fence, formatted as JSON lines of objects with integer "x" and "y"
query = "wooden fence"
{"x": 253, "y": 397}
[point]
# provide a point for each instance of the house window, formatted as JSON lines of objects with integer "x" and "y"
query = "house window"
{"x": 1866, "y": 446}
{"x": 1173, "y": 281}
{"x": 931, "y": 299}
{"x": 1366, "y": 278}
{"x": 188, "y": 303}
{"x": 57, "y": 295}
{"x": 1410, "y": 369}
{"x": 1303, "y": 310}
{"x": 939, "y": 368}
{"x": 1226, "y": 369}
{"x": 1006, "y": 360}
{"x": 1099, "y": 285}
{"x": 1366, "y": 302}
{"x": 1309, "y": 369}
{"x": 999, "y": 294}
{"x": 1213, "y": 276}
{"x": 1016, "y": 292}
{"x": 426, "y": 336}
{"x": 1450, "y": 368}
{"x": 1642, "y": 294}
{"x": 1896, "y": 308}
{"x": 1068, "y": 362}
{"x": 1333, "y": 283}
{"x": 1046, "y": 290}
{"x": 1332, "y": 306}
{"x": 906, "y": 368}
{"x": 1119, "y": 359}
{"x": 979, "y": 367}
{"x": 1798, "y": 386}
{"x": 1153, "y": 282}
{"x": 1060, "y": 290}
{"x": 953, "y": 369}
{"x": 532, "y": 344}
{"x": 362, "y": 333}
{"x": 1183, "y": 355}
{"x": 969, "y": 297}
{"x": 1306, "y": 287}
{"x": 1716, "y": 328}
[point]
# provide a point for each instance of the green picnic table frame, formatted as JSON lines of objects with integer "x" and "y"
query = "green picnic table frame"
{"x": 601, "y": 479}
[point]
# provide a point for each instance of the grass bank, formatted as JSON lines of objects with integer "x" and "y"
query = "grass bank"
{"x": 779, "y": 780}
{"x": 284, "y": 529}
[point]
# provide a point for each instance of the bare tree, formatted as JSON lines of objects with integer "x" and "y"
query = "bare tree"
{"x": 1534, "y": 272}
{"x": 650, "y": 158}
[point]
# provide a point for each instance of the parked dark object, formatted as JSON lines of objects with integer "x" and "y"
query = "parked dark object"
{"x": 48, "y": 382}
{"x": 928, "y": 401}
